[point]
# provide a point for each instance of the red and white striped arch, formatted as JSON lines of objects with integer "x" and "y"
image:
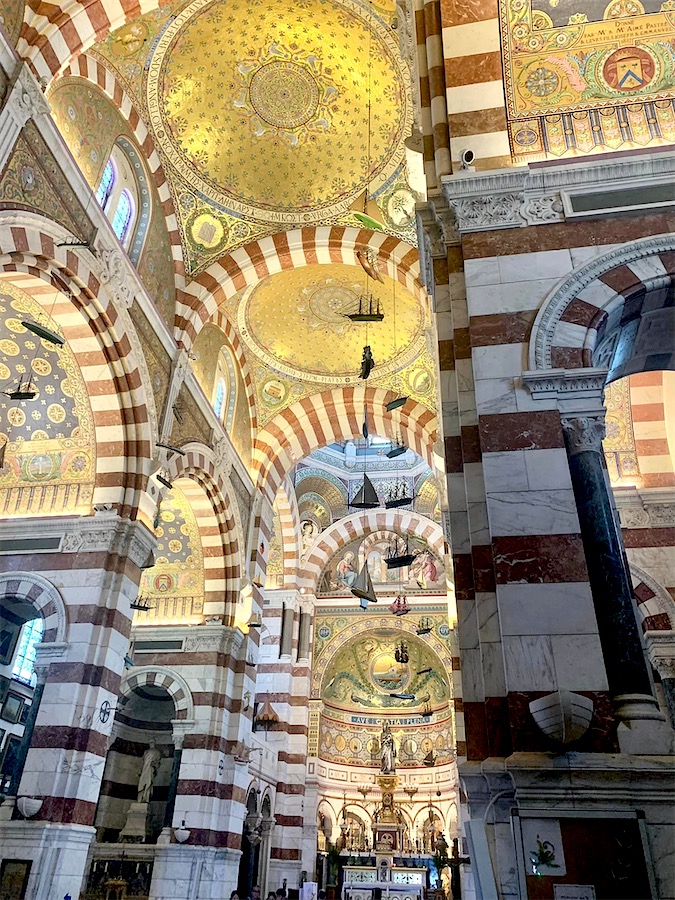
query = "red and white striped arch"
{"x": 596, "y": 302}
{"x": 331, "y": 416}
{"x": 96, "y": 72}
{"x": 654, "y": 433}
{"x": 362, "y": 524}
{"x": 655, "y": 606}
{"x": 105, "y": 348}
{"x": 161, "y": 677}
{"x": 43, "y": 596}
{"x": 230, "y": 332}
{"x": 219, "y": 527}
{"x": 324, "y": 245}
{"x": 287, "y": 507}
{"x": 53, "y": 34}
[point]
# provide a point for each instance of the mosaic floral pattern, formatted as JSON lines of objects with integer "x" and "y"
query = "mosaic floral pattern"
{"x": 174, "y": 586}
{"x": 50, "y": 458}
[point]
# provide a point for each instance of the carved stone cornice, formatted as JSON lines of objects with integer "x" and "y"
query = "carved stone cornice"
{"x": 645, "y": 509}
{"x": 25, "y": 101}
{"x": 661, "y": 651}
{"x": 572, "y": 391}
{"x": 113, "y": 270}
{"x": 179, "y": 370}
{"x": 103, "y": 532}
{"x": 518, "y": 197}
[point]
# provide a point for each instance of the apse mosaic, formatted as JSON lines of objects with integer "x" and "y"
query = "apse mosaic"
{"x": 174, "y": 586}
{"x": 292, "y": 106}
{"x": 50, "y": 460}
{"x": 584, "y": 76}
{"x": 425, "y": 574}
{"x": 356, "y": 688}
{"x": 366, "y": 671}
{"x": 336, "y": 630}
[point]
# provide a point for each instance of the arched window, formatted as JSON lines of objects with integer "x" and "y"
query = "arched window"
{"x": 24, "y": 662}
{"x": 106, "y": 184}
{"x": 122, "y": 216}
{"x": 225, "y": 388}
{"x": 219, "y": 399}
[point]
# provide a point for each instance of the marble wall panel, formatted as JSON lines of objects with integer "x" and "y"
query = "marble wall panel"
{"x": 546, "y": 609}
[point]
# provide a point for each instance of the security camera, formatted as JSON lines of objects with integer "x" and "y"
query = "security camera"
{"x": 466, "y": 158}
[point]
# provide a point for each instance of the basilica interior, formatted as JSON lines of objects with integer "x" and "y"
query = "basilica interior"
{"x": 340, "y": 562}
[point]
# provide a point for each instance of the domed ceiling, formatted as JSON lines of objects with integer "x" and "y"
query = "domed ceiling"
{"x": 296, "y": 322}
{"x": 263, "y": 106}
{"x": 259, "y": 112}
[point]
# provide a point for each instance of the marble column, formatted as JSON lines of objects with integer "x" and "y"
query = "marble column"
{"x": 578, "y": 394}
{"x": 608, "y": 573}
{"x": 41, "y": 673}
{"x": 173, "y": 784}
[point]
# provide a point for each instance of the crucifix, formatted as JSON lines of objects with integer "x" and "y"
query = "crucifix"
{"x": 454, "y": 863}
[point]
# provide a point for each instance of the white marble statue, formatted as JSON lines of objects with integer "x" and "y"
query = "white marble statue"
{"x": 387, "y": 750}
{"x": 151, "y": 759}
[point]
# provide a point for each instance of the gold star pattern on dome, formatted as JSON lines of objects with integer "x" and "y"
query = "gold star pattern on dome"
{"x": 50, "y": 461}
{"x": 263, "y": 107}
{"x": 295, "y": 323}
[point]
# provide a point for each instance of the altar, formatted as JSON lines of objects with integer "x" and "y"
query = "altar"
{"x": 383, "y": 883}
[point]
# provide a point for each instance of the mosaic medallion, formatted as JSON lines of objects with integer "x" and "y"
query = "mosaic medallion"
{"x": 284, "y": 94}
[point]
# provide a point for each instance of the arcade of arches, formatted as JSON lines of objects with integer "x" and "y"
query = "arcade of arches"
{"x": 337, "y": 449}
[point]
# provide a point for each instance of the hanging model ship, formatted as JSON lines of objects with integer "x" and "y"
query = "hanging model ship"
{"x": 369, "y": 310}
{"x": 424, "y": 626}
{"x": 396, "y": 560}
{"x": 400, "y": 606}
{"x": 398, "y": 496}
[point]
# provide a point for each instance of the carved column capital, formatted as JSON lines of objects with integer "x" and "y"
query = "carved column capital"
{"x": 583, "y": 433}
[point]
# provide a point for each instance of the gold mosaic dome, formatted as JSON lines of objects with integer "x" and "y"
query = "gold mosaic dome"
{"x": 296, "y": 323}
{"x": 263, "y": 107}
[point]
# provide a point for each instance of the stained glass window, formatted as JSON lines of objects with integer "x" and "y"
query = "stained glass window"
{"x": 219, "y": 401}
{"x": 24, "y": 664}
{"x": 122, "y": 218}
{"x": 106, "y": 184}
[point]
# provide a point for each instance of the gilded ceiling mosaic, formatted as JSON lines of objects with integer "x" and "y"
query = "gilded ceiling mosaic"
{"x": 619, "y": 443}
{"x": 588, "y": 76}
{"x": 50, "y": 463}
{"x": 260, "y": 113}
{"x": 297, "y": 322}
{"x": 174, "y": 586}
{"x": 298, "y": 341}
{"x": 263, "y": 105}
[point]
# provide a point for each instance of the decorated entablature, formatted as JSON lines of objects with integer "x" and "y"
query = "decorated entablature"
{"x": 587, "y": 77}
